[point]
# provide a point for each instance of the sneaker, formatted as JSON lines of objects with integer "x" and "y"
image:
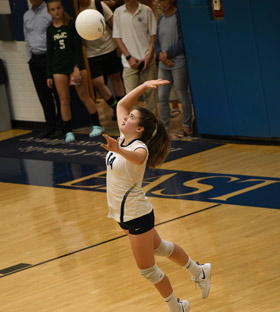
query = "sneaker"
{"x": 96, "y": 131}
{"x": 46, "y": 133}
{"x": 185, "y": 305}
{"x": 204, "y": 279}
{"x": 69, "y": 137}
{"x": 58, "y": 133}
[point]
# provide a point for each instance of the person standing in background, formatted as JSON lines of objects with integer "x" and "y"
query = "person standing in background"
{"x": 35, "y": 23}
{"x": 103, "y": 59}
{"x": 65, "y": 59}
{"x": 113, "y": 4}
{"x": 173, "y": 99}
{"x": 134, "y": 30}
{"x": 174, "y": 102}
{"x": 170, "y": 52}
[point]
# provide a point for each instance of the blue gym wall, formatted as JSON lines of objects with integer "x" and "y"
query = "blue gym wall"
{"x": 234, "y": 66}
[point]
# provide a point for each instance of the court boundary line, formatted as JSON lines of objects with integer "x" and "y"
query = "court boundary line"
{"x": 104, "y": 242}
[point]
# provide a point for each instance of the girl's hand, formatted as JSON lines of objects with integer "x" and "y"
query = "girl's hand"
{"x": 76, "y": 75}
{"x": 136, "y": 157}
{"x": 153, "y": 84}
{"x": 49, "y": 82}
{"x": 112, "y": 144}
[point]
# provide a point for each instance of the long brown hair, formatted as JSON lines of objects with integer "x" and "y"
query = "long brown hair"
{"x": 66, "y": 17}
{"x": 155, "y": 136}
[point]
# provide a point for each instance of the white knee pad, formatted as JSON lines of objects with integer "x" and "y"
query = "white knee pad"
{"x": 153, "y": 274}
{"x": 165, "y": 249}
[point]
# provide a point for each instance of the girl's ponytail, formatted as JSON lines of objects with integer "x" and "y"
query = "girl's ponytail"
{"x": 155, "y": 136}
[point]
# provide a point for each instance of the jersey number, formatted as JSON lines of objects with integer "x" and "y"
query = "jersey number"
{"x": 110, "y": 160}
{"x": 61, "y": 44}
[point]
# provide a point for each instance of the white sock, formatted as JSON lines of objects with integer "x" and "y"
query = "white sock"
{"x": 173, "y": 304}
{"x": 193, "y": 268}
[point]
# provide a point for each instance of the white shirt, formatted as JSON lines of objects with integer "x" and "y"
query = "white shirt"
{"x": 134, "y": 30}
{"x": 105, "y": 44}
{"x": 125, "y": 197}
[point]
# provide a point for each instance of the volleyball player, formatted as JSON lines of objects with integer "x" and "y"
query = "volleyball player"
{"x": 144, "y": 140}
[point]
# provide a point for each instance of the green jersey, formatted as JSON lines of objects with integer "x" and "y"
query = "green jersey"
{"x": 64, "y": 49}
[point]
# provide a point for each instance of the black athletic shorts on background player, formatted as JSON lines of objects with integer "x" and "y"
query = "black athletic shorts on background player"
{"x": 105, "y": 64}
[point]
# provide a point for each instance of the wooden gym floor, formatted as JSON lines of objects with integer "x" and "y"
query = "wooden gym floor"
{"x": 60, "y": 252}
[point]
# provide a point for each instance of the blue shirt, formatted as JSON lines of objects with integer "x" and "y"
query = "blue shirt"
{"x": 169, "y": 40}
{"x": 35, "y": 23}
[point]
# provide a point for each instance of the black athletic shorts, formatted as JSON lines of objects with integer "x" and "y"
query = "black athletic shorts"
{"x": 106, "y": 64}
{"x": 139, "y": 225}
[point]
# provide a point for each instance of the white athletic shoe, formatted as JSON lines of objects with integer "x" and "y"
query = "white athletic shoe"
{"x": 204, "y": 279}
{"x": 185, "y": 305}
{"x": 69, "y": 137}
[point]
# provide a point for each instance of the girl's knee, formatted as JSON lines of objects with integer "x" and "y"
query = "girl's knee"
{"x": 153, "y": 274}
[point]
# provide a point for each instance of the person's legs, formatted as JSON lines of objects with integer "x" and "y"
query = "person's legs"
{"x": 201, "y": 273}
{"x": 99, "y": 69}
{"x": 150, "y": 96}
{"x": 170, "y": 250}
{"x": 102, "y": 89}
{"x": 100, "y": 86}
{"x": 62, "y": 86}
{"x": 57, "y": 105}
{"x": 163, "y": 96}
{"x": 173, "y": 99}
{"x": 143, "y": 246}
{"x": 143, "y": 250}
{"x": 113, "y": 68}
{"x": 117, "y": 84}
{"x": 37, "y": 67}
{"x": 181, "y": 83}
{"x": 83, "y": 93}
{"x": 130, "y": 79}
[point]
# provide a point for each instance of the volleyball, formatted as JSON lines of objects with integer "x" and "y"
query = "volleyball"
{"x": 90, "y": 24}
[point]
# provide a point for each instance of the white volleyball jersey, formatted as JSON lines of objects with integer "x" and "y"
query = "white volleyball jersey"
{"x": 125, "y": 197}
